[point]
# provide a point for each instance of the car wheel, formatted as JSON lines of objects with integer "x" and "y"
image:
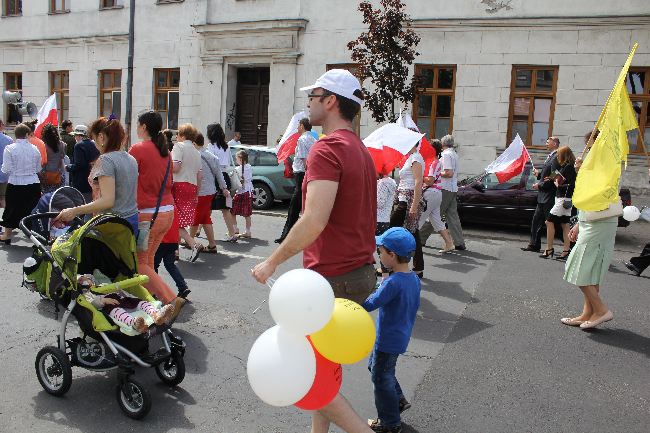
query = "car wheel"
{"x": 262, "y": 196}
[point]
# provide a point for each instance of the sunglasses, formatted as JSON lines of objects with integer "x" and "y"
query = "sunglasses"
{"x": 319, "y": 95}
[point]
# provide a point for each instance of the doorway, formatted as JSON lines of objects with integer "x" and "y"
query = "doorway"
{"x": 253, "y": 105}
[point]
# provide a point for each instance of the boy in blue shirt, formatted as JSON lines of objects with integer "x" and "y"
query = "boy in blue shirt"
{"x": 398, "y": 300}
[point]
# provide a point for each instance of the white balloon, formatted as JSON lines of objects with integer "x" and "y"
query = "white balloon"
{"x": 281, "y": 367}
{"x": 301, "y": 301}
{"x": 631, "y": 213}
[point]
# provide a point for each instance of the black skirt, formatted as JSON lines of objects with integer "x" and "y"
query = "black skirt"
{"x": 219, "y": 200}
{"x": 20, "y": 201}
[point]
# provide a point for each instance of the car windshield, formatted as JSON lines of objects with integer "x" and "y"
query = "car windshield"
{"x": 492, "y": 182}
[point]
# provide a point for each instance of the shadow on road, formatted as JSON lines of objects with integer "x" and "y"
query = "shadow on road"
{"x": 17, "y": 253}
{"x": 466, "y": 327}
{"x": 209, "y": 267}
{"x": 623, "y": 339}
{"x": 446, "y": 289}
{"x": 91, "y": 403}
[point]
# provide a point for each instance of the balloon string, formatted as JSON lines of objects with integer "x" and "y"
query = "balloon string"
{"x": 269, "y": 283}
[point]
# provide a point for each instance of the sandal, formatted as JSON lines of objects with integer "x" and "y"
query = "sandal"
{"x": 211, "y": 249}
{"x": 245, "y": 235}
{"x": 564, "y": 255}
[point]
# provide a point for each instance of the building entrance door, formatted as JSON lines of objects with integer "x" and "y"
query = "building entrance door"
{"x": 253, "y": 105}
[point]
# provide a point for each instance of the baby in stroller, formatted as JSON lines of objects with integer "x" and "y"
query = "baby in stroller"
{"x": 132, "y": 315}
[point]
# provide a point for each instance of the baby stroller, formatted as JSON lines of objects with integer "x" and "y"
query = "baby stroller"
{"x": 105, "y": 243}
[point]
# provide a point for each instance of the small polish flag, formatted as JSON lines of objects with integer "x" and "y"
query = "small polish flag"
{"x": 47, "y": 114}
{"x": 511, "y": 162}
{"x": 289, "y": 140}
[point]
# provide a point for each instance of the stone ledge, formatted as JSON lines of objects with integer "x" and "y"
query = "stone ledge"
{"x": 533, "y": 22}
{"x": 31, "y": 43}
{"x": 244, "y": 27}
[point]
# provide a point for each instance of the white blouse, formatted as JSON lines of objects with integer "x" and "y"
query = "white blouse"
{"x": 22, "y": 162}
{"x": 225, "y": 158}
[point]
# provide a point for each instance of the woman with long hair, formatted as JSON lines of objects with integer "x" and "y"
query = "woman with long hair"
{"x": 154, "y": 198}
{"x": 432, "y": 195}
{"x": 187, "y": 176}
{"x": 52, "y": 174}
{"x": 588, "y": 263}
{"x": 222, "y": 200}
{"x": 561, "y": 211}
{"x": 22, "y": 163}
{"x": 113, "y": 177}
{"x": 207, "y": 189}
{"x": 407, "y": 207}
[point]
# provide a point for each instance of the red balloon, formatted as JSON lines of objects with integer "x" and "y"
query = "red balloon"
{"x": 327, "y": 383}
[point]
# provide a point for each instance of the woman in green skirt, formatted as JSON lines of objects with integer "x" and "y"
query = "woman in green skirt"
{"x": 588, "y": 263}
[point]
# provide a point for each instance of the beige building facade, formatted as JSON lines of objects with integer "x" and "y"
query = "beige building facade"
{"x": 491, "y": 68}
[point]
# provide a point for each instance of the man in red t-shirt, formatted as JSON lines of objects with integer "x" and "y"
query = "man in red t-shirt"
{"x": 337, "y": 228}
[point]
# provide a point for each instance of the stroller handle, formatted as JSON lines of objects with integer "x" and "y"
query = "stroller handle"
{"x": 23, "y": 222}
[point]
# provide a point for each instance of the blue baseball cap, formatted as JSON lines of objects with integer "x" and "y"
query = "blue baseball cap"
{"x": 398, "y": 240}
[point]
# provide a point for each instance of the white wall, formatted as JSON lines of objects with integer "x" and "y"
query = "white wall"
{"x": 588, "y": 40}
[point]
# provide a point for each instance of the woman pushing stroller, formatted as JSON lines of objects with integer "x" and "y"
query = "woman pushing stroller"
{"x": 114, "y": 180}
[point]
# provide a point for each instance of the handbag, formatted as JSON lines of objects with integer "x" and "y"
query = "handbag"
{"x": 51, "y": 178}
{"x": 142, "y": 243}
{"x": 235, "y": 181}
{"x": 613, "y": 210}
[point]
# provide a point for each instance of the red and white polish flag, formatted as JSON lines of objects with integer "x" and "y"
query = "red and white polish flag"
{"x": 511, "y": 162}
{"x": 47, "y": 114}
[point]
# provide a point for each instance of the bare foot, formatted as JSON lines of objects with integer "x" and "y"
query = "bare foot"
{"x": 139, "y": 325}
{"x": 164, "y": 314}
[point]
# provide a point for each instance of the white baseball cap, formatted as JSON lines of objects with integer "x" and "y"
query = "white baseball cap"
{"x": 339, "y": 81}
{"x": 80, "y": 130}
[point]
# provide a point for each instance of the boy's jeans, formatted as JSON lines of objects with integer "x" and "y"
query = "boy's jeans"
{"x": 387, "y": 389}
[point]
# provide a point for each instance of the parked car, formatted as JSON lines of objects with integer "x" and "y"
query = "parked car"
{"x": 483, "y": 200}
{"x": 269, "y": 183}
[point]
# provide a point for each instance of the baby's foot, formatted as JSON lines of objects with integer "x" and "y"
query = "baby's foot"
{"x": 139, "y": 325}
{"x": 163, "y": 315}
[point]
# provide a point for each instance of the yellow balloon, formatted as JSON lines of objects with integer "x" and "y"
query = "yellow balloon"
{"x": 349, "y": 335}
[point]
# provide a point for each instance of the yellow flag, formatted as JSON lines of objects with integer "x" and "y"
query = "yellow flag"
{"x": 599, "y": 175}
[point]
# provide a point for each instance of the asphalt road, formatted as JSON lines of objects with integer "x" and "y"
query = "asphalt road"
{"x": 488, "y": 353}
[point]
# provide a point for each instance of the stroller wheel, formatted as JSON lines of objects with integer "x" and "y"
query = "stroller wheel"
{"x": 134, "y": 399}
{"x": 53, "y": 370}
{"x": 172, "y": 371}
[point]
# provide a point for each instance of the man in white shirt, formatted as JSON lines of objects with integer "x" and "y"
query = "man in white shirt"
{"x": 449, "y": 185}
{"x": 235, "y": 139}
{"x": 305, "y": 142}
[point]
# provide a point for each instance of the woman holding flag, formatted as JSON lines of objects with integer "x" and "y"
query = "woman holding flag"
{"x": 408, "y": 206}
{"x": 589, "y": 261}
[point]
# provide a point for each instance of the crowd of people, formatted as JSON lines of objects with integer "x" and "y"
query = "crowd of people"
{"x": 166, "y": 191}
{"x": 341, "y": 214}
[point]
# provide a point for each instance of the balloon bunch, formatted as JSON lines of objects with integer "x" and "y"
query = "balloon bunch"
{"x": 298, "y": 361}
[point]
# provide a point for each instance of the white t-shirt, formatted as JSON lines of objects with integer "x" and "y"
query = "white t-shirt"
{"x": 406, "y": 179}
{"x": 449, "y": 162}
{"x": 234, "y": 142}
{"x": 190, "y": 159}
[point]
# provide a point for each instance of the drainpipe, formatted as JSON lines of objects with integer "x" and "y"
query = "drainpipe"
{"x": 129, "y": 77}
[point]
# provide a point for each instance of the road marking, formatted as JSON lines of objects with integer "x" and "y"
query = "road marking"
{"x": 246, "y": 256}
